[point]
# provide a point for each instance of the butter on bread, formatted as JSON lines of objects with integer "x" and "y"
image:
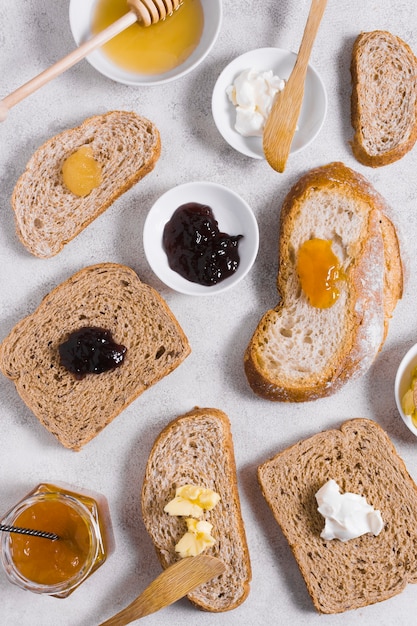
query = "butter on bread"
{"x": 108, "y": 296}
{"x": 361, "y": 458}
{"x": 47, "y": 214}
{"x": 384, "y": 98}
{"x": 299, "y": 352}
{"x": 197, "y": 448}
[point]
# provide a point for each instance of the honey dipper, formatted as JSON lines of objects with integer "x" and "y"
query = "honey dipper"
{"x": 146, "y": 12}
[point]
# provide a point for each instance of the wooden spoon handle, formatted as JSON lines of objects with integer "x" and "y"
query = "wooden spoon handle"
{"x": 282, "y": 121}
{"x": 313, "y": 22}
{"x": 63, "y": 64}
{"x": 171, "y": 585}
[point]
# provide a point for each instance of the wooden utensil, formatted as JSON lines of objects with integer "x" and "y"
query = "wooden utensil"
{"x": 174, "y": 583}
{"x": 282, "y": 121}
{"x": 146, "y": 12}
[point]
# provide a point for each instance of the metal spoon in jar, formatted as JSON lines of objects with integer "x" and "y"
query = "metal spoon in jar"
{"x": 28, "y": 531}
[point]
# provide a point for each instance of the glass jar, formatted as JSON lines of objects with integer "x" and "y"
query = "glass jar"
{"x": 56, "y": 567}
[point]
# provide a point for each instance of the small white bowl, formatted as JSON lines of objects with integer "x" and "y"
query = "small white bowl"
{"x": 80, "y": 15}
{"x": 313, "y": 110}
{"x": 403, "y": 382}
{"x": 234, "y": 217}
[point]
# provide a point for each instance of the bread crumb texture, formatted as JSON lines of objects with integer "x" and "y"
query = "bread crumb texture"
{"x": 299, "y": 352}
{"x": 108, "y": 296}
{"x": 384, "y": 98}
{"x": 47, "y": 214}
{"x": 197, "y": 449}
{"x": 361, "y": 458}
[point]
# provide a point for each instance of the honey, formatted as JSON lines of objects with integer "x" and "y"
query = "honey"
{"x": 57, "y": 567}
{"x": 319, "y": 270}
{"x": 81, "y": 172}
{"x": 153, "y": 49}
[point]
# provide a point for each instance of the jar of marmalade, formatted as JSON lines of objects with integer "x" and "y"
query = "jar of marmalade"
{"x": 56, "y": 567}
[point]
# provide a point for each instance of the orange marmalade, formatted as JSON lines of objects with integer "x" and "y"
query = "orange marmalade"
{"x": 59, "y": 566}
{"x": 151, "y": 49}
{"x": 319, "y": 270}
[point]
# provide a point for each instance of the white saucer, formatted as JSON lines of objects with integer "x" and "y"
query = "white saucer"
{"x": 403, "y": 382}
{"x": 313, "y": 110}
{"x": 234, "y": 217}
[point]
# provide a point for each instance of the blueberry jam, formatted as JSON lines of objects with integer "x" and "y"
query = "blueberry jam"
{"x": 195, "y": 247}
{"x": 90, "y": 350}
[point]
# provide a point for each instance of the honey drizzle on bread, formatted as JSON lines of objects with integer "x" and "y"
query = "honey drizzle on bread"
{"x": 298, "y": 352}
{"x": 47, "y": 214}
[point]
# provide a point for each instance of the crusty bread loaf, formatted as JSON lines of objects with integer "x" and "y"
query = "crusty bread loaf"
{"x": 299, "y": 352}
{"x": 361, "y": 459}
{"x": 47, "y": 214}
{"x": 108, "y": 296}
{"x": 384, "y": 98}
{"x": 197, "y": 448}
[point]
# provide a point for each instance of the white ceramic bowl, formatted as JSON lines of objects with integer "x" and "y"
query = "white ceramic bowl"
{"x": 403, "y": 381}
{"x": 234, "y": 217}
{"x": 313, "y": 110}
{"x": 80, "y": 15}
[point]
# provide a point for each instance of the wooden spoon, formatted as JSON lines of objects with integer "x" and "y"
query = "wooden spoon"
{"x": 174, "y": 583}
{"x": 282, "y": 121}
{"x": 146, "y": 12}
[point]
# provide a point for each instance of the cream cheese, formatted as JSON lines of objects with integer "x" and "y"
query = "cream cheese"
{"x": 347, "y": 515}
{"x": 253, "y": 93}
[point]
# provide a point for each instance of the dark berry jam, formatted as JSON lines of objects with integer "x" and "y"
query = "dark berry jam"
{"x": 90, "y": 350}
{"x": 195, "y": 247}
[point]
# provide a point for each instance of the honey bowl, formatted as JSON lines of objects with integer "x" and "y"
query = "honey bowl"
{"x": 152, "y": 55}
{"x": 56, "y": 567}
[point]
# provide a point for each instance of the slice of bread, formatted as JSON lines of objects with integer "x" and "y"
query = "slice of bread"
{"x": 108, "y": 296}
{"x": 197, "y": 448}
{"x": 299, "y": 352}
{"x": 361, "y": 458}
{"x": 47, "y": 214}
{"x": 384, "y": 98}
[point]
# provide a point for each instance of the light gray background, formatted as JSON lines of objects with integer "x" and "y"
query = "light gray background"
{"x": 35, "y": 33}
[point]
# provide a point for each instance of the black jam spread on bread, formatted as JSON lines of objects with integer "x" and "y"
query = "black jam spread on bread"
{"x": 195, "y": 247}
{"x": 90, "y": 350}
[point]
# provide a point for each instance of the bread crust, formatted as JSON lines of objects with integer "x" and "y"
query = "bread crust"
{"x": 106, "y": 295}
{"x": 360, "y": 457}
{"x": 373, "y": 280}
{"x": 47, "y": 214}
{"x": 375, "y": 109}
{"x": 197, "y": 448}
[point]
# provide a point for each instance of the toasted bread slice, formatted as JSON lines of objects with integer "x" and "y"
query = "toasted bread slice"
{"x": 47, "y": 214}
{"x": 108, "y": 296}
{"x": 361, "y": 458}
{"x": 197, "y": 448}
{"x": 384, "y": 98}
{"x": 299, "y": 352}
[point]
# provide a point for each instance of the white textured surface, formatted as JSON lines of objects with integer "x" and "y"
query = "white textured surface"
{"x": 34, "y": 33}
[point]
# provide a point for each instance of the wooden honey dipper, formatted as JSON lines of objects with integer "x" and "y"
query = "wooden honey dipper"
{"x": 146, "y": 12}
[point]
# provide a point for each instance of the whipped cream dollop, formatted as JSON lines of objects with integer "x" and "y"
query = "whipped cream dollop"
{"x": 347, "y": 515}
{"x": 252, "y": 93}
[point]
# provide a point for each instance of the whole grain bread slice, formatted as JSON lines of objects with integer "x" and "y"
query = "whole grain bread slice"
{"x": 361, "y": 458}
{"x": 299, "y": 352}
{"x": 384, "y": 98}
{"x": 108, "y": 296}
{"x": 197, "y": 448}
{"x": 47, "y": 214}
